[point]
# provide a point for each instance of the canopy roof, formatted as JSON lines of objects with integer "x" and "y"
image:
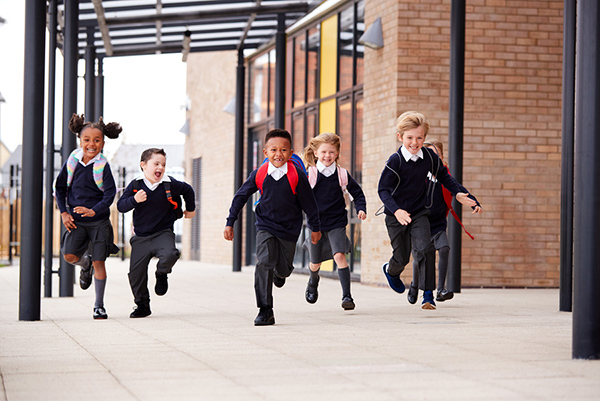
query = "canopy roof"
{"x": 133, "y": 27}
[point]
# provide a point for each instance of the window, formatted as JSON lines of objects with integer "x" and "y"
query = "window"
{"x": 312, "y": 75}
{"x": 345, "y": 49}
{"x": 299, "y": 70}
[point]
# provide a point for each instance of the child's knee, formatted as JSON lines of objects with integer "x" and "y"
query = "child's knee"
{"x": 170, "y": 256}
{"x": 70, "y": 258}
{"x": 444, "y": 251}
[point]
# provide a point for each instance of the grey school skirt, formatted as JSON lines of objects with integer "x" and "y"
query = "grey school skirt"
{"x": 331, "y": 242}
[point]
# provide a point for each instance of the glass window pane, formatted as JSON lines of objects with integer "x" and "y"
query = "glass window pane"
{"x": 360, "y": 49}
{"x": 314, "y": 44}
{"x": 311, "y": 123}
{"x": 272, "y": 82}
{"x": 345, "y": 133}
{"x": 298, "y": 133}
{"x": 299, "y": 70}
{"x": 260, "y": 88}
{"x": 345, "y": 38}
{"x": 358, "y": 141}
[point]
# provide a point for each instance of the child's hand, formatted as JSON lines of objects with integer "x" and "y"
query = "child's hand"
{"x": 140, "y": 196}
{"x": 189, "y": 215}
{"x": 84, "y": 211}
{"x": 315, "y": 237}
{"x": 477, "y": 209}
{"x": 362, "y": 215}
{"x": 228, "y": 233}
{"x": 403, "y": 217}
{"x": 68, "y": 222}
{"x": 463, "y": 198}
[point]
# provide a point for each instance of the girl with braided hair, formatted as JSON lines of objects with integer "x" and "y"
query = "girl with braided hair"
{"x": 84, "y": 190}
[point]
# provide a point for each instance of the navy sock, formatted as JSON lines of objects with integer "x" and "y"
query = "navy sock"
{"x": 314, "y": 276}
{"x": 344, "y": 275}
{"x": 100, "y": 285}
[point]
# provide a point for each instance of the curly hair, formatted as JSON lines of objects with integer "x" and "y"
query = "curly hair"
{"x": 77, "y": 124}
{"x": 310, "y": 152}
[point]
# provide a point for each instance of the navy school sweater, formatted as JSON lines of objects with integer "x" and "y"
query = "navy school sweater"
{"x": 156, "y": 213}
{"x": 411, "y": 193}
{"x": 279, "y": 211}
{"x": 331, "y": 202}
{"x": 84, "y": 192}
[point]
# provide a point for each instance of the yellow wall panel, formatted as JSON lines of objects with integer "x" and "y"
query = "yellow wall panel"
{"x": 327, "y": 116}
{"x": 328, "y": 81}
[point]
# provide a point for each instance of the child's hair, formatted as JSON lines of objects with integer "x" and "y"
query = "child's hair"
{"x": 77, "y": 124}
{"x": 410, "y": 120}
{"x": 438, "y": 147}
{"x": 278, "y": 133}
{"x": 147, "y": 154}
{"x": 310, "y": 152}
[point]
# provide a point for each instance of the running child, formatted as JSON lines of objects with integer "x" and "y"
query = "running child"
{"x": 156, "y": 198}
{"x": 330, "y": 183}
{"x": 285, "y": 194}
{"x": 84, "y": 190}
{"x": 406, "y": 193}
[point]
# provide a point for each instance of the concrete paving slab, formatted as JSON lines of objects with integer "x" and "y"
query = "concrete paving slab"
{"x": 200, "y": 344}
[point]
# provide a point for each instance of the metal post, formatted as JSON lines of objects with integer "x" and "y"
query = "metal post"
{"x": 99, "y": 91}
{"x": 239, "y": 155}
{"x": 11, "y": 219}
{"x": 30, "y": 277}
{"x": 123, "y": 184}
{"x": 48, "y": 252}
{"x": 586, "y": 303}
{"x": 455, "y": 135}
{"x": 280, "y": 72}
{"x": 568, "y": 128}
{"x": 71, "y": 58}
{"x": 90, "y": 76}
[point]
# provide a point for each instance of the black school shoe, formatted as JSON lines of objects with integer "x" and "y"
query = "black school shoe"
{"x": 348, "y": 303}
{"x": 278, "y": 281}
{"x": 162, "y": 285}
{"x": 444, "y": 295}
{"x": 87, "y": 271}
{"x": 265, "y": 317}
{"x": 413, "y": 294}
{"x": 141, "y": 310}
{"x": 312, "y": 294}
{"x": 100, "y": 313}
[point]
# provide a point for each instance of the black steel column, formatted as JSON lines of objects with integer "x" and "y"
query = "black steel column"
{"x": 586, "y": 303}
{"x": 90, "y": 76}
{"x": 48, "y": 244}
{"x": 69, "y": 140}
{"x": 239, "y": 155}
{"x": 99, "y": 103}
{"x": 30, "y": 277}
{"x": 455, "y": 135}
{"x": 280, "y": 72}
{"x": 568, "y": 134}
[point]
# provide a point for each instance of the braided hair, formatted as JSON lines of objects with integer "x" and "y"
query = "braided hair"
{"x": 77, "y": 124}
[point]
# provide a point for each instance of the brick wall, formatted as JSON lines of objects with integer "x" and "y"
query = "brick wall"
{"x": 512, "y": 127}
{"x": 210, "y": 86}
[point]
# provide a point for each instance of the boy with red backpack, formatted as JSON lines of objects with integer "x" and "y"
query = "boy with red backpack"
{"x": 285, "y": 193}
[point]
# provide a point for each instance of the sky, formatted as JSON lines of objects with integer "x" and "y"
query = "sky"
{"x": 145, "y": 94}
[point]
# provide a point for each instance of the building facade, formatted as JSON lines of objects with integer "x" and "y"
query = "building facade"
{"x": 512, "y": 124}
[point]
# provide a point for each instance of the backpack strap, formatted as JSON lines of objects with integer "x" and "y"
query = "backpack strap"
{"x": 167, "y": 186}
{"x": 449, "y": 208}
{"x": 343, "y": 178}
{"x": 97, "y": 169}
{"x": 292, "y": 176}
{"x": 261, "y": 174}
{"x": 313, "y": 173}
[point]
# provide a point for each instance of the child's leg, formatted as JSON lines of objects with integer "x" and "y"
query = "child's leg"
{"x": 166, "y": 252}
{"x": 443, "y": 254}
{"x": 421, "y": 246}
{"x": 141, "y": 253}
{"x": 266, "y": 257}
{"x": 343, "y": 273}
{"x": 99, "y": 282}
{"x": 400, "y": 241}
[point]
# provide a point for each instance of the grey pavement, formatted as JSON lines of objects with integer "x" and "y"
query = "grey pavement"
{"x": 200, "y": 344}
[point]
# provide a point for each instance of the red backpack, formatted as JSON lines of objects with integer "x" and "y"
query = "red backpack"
{"x": 292, "y": 176}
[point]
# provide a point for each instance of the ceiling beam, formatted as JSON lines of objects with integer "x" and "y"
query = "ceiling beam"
{"x": 103, "y": 27}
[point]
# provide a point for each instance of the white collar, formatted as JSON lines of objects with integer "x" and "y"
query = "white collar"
{"x": 277, "y": 172}
{"x": 79, "y": 156}
{"x": 152, "y": 186}
{"x": 409, "y": 156}
{"x": 326, "y": 170}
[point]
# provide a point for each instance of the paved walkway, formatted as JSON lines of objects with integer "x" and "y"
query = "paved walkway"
{"x": 200, "y": 344}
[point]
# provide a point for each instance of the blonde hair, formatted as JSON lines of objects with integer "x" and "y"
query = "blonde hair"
{"x": 439, "y": 148}
{"x": 411, "y": 120}
{"x": 310, "y": 152}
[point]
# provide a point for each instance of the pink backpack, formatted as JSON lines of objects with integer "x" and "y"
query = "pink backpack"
{"x": 313, "y": 173}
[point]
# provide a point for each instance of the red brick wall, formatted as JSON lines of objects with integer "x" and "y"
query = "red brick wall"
{"x": 512, "y": 127}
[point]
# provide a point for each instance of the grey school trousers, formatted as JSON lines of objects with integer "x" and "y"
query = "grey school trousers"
{"x": 160, "y": 245}
{"x": 273, "y": 256}
{"x": 415, "y": 236}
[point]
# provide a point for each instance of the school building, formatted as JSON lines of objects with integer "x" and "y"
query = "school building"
{"x": 512, "y": 124}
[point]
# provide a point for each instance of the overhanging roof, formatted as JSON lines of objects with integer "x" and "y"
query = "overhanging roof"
{"x": 134, "y": 27}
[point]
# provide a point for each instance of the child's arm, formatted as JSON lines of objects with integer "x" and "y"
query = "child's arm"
{"x": 108, "y": 198}
{"x": 237, "y": 204}
{"x": 129, "y": 200}
{"x": 360, "y": 202}
{"x": 189, "y": 198}
{"x": 461, "y": 193}
{"x": 388, "y": 182}
{"x": 306, "y": 198}
{"x": 60, "y": 194}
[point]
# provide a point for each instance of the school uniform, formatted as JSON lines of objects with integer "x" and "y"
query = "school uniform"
{"x": 153, "y": 222}
{"x": 405, "y": 184}
{"x": 278, "y": 224}
{"x": 332, "y": 213}
{"x": 81, "y": 187}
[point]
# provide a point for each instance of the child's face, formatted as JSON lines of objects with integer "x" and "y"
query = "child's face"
{"x": 154, "y": 168}
{"x": 278, "y": 151}
{"x": 413, "y": 139}
{"x": 91, "y": 141}
{"x": 437, "y": 151}
{"x": 327, "y": 154}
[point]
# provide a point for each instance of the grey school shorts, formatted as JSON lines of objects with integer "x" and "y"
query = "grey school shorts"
{"x": 440, "y": 240}
{"x": 92, "y": 237}
{"x": 331, "y": 242}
